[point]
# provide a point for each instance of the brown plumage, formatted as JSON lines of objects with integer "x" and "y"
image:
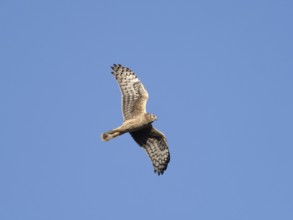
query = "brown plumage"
{"x": 137, "y": 121}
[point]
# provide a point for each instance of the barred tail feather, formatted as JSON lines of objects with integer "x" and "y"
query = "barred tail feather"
{"x": 111, "y": 134}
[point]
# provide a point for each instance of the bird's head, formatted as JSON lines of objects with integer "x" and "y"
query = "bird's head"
{"x": 151, "y": 117}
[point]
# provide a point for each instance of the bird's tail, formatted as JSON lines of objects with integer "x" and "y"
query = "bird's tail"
{"x": 111, "y": 134}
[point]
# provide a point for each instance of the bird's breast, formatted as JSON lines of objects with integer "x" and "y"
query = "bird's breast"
{"x": 135, "y": 124}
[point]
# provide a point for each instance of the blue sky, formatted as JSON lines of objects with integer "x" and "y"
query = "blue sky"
{"x": 220, "y": 79}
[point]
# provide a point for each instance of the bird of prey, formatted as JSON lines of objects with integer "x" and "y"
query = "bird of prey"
{"x": 137, "y": 121}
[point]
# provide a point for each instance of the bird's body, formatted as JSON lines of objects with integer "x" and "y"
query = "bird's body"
{"x": 130, "y": 125}
{"x": 137, "y": 121}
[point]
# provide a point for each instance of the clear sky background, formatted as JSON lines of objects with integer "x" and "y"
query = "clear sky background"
{"x": 220, "y": 79}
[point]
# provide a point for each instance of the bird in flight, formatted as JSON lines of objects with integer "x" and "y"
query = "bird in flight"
{"x": 137, "y": 121}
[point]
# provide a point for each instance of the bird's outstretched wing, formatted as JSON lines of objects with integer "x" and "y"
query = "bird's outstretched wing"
{"x": 156, "y": 146}
{"x": 134, "y": 95}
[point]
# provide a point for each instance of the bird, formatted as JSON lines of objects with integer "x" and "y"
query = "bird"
{"x": 137, "y": 121}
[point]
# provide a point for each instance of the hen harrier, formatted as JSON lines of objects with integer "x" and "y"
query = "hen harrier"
{"x": 137, "y": 121}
